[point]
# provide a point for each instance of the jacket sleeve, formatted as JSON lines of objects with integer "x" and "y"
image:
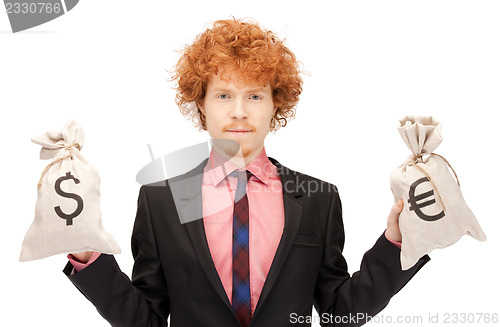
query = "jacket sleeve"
{"x": 144, "y": 301}
{"x": 351, "y": 300}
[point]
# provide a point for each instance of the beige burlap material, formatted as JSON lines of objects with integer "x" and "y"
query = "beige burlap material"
{"x": 67, "y": 210}
{"x": 435, "y": 214}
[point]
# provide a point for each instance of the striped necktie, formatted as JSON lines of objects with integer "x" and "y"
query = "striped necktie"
{"x": 241, "y": 267}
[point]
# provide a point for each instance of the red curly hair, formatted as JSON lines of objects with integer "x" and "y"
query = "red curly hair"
{"x": 236, "y": 46}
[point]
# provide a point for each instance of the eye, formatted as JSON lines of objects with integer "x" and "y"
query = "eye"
{"x": 223, "y": 96}
{"x": 255, "y": 97}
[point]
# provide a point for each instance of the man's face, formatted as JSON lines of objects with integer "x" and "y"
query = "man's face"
{"x": 239, "y": 112}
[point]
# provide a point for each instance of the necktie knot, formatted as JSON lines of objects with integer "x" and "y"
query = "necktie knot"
{"x": 241, "y": 175}
{"x": 243, "y": 178}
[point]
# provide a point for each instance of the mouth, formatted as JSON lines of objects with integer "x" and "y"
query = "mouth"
{"x": 238, "y": 131}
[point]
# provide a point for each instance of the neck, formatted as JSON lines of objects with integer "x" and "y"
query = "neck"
{"x": 237, "y": 156}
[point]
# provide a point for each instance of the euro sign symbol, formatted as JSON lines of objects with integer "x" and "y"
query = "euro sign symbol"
{"x": 68, "y": 217}
{"x": 414, "y": 206}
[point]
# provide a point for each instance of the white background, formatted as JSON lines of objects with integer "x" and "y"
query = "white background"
{"x": 370, "y": 63}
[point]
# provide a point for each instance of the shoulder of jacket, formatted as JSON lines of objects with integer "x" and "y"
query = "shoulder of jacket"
{"x": 299, "y": 177}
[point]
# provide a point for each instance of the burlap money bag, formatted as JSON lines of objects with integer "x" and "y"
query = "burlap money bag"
{"x": 67, "y": 210}
{"x": 435, "y": 214}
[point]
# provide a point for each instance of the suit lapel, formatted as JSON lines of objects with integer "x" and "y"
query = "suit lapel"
{"x": 186, "y": 191}
{"x": 196, "y": 231}
{"x": 293, "y": 214}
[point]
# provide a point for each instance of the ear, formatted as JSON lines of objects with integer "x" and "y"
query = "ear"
{"x": 201, "y": 109}
{"x": 201, "y": 106}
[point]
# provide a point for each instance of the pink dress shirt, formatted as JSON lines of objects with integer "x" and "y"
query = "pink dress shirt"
{"x": 266, "y": 213}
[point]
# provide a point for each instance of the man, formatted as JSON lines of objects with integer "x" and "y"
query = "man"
{"x": 241, "y": 240}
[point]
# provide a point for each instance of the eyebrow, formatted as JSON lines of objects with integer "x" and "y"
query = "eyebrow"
{"x": 221, "y": 89}
{"x": 260, "y": 89}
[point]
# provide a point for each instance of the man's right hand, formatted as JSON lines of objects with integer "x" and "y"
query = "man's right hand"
{"x": 83, "y": 257}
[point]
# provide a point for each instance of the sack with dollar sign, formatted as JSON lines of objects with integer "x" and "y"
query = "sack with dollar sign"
{"x": 67, "y": 210}
{"x": 435, "y": 214}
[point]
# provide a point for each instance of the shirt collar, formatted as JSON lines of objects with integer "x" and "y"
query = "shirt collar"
{"x": 218, "y": 167}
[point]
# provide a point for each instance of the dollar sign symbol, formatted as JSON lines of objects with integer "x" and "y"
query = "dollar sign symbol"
{"x": 417, "y": 206}
{"x": 77, "y": 198}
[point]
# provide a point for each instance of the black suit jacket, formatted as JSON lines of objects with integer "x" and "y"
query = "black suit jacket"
{"x": 174, "y": 274}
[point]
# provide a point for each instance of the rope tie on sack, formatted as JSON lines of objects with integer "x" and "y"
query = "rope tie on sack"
{"x": 68, "y": 148}
{"x": 414, "y": 161}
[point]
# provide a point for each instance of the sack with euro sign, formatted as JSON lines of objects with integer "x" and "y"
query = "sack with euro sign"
{"x": 435, "y": 214}
{"x": 67, "y": 210}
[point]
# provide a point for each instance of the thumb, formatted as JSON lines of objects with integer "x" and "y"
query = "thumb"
{"x": 398, "y": 206}
{"x": 393, "y": 231}
{"x": 395, "y": 211}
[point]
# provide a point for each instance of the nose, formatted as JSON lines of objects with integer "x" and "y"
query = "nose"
{"x": 238, "y": 111}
